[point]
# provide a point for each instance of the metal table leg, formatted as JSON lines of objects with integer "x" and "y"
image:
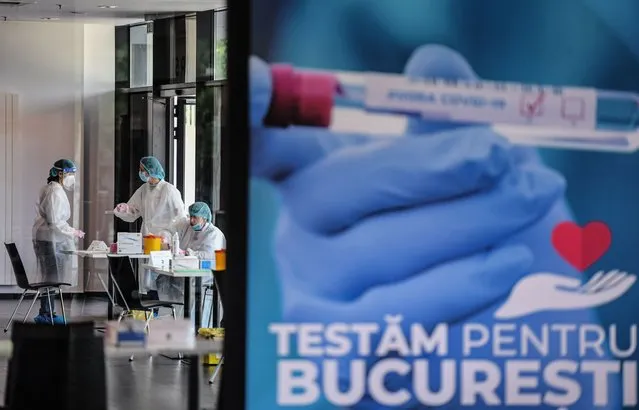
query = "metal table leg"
{"x": 110, "y": 303}
{"x": 187, "y": 298}
{"x": 218, "y": 368}
{"x": 194, "y": 360}
{"x": 216, "y": 306}
{"x": 113, "y": 286}
{"x": 195, "y": 371}
{"x": 117, "y": 287}
{"x": 195, "y": 381}
{"x": 106, "y": 288}
{"x": 136, "y": 272}
{"x": 198, "y": 303}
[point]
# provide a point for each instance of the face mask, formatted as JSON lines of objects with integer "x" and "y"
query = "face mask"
{"x": 197, "y": 227}
{"x": 143, "y": 177}
{"x": 68, "y": 182}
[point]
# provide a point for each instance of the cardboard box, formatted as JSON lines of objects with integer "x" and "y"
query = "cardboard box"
{"x": 125, "y": 333}
{"x": 186, "y": 262}
{"x": 129, "y": 243}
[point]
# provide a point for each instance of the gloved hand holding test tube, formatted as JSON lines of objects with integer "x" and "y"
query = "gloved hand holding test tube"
{"x": 436, "y": 227}
{"x": 538, "y": 115}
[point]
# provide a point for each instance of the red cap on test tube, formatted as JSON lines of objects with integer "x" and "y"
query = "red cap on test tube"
{"x": 300, "y": 98}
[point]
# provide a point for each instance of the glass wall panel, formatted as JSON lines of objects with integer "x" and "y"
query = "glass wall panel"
{"x": 189, "y": 153}
{"x": 141, "y": 49}
{"x": 205, "y": 32}
{"x": 191, "y": 48}
{"x": 220, "y": 46}
{"x": 209, "y": 128}
{"x": 122, "y": 57}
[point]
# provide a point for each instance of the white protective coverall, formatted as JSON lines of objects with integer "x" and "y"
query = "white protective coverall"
{"x": 202, "y": 244}
{"x": 52, "y": 234}
{"x": 159, "y": 206}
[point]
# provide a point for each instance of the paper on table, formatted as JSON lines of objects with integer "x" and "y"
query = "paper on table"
{"x": 98, "y": 246}
{"x": 186, "y": 262}
{"x": 129, "y": 243}
{"x": 160, "y": 259}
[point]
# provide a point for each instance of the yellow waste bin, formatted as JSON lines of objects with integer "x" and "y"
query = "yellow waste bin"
{"x": 152, "y": 243}
{"x": 220, "y": 260}
{"x": 216, "y": 333}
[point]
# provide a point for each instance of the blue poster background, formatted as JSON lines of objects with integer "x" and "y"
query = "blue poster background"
{"x": 593, "y": 43}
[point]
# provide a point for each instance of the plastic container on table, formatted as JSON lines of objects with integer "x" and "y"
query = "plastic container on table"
{"x": 152, "y": 243}
{"x": 220, "y": 260}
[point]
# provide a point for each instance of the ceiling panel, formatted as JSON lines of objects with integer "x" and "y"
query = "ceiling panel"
{"x": 97, "y": 11}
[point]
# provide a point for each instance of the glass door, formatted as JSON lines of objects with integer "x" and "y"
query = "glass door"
{"x": 184, "y": 159}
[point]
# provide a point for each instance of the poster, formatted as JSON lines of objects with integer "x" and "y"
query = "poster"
{"x": 461, "y": 230}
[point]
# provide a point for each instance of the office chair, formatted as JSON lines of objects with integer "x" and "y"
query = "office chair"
{"x": 39, "y": 288}
{"x": 125, "y": 277}
{"x": 123, "y": 274}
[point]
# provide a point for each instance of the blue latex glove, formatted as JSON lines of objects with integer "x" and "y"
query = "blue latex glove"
{"x": 437, "y": 229}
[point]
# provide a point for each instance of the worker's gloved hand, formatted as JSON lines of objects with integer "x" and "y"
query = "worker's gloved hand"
{"x": 190, "y": 252}
{"x": 166, "y": 238}
{"x": 78, "y": 233}
{"x": 367, "y": 224}
{"x": 122, "y": 208}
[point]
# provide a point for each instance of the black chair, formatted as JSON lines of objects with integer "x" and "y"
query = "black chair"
{"x": 60, "y": 367}
{"x": 220, "y": 278}
{"x": 123, "y": 274}
{"x": 39, "y": 288}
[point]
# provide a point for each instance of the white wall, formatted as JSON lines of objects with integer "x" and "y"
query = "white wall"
{"x": 47, "y": 65}
{"x": 99, "y": 139}
{"x": 8, "y": 131}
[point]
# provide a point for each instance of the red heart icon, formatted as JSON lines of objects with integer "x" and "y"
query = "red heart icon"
{"x": 581, "y": 247}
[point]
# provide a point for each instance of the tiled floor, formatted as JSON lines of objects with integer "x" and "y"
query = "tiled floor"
{"x": 154, "y": 383}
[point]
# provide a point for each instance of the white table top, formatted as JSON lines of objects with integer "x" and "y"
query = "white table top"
{"x": 181, "y": 272}
{"x": 104, "y": 255}
{"x": 201, "y": 347}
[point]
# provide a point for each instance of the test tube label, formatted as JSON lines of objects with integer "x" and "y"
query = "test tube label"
{"x": 482, "y": 101}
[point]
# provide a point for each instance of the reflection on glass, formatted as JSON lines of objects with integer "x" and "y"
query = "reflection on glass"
{"x": 189, "y": 153}
{"x": 208, "y": 152}
{"x": 217, "y": 145}
{"x": 184, "y": 155}
{"x": 191, "y": 48}
{"x": 220, "y": 46}
{"x": 141, "y": 49}
{"x": 204, "y": 62}
{"x": 122, "y": 51}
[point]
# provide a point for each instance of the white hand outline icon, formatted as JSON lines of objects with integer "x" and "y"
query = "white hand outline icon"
{"x": 548, "y": 291}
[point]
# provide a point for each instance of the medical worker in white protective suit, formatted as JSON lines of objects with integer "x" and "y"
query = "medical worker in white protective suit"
{"x": 157, "y": 202}
{"x": 52, "y": 234}
{"x": 198, "y": 237}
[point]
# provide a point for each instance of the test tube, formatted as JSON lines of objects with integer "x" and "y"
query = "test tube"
{"x": 539, "y": 115}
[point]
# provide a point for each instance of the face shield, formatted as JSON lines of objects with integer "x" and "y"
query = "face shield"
{"x": 67, "y": 176}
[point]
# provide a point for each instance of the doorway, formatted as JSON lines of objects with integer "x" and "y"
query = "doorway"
{"x": 184, "y": 145}
{"x": 183, "y": 127}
